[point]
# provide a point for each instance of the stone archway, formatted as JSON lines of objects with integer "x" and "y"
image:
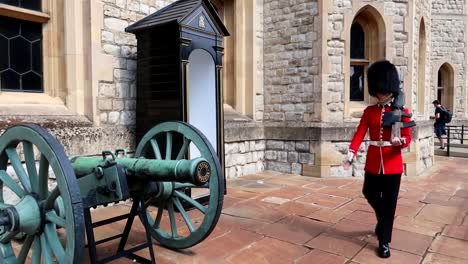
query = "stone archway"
{"x": 367, "y": 45}
{"x": 445, "y": 85}
{"x": 421, "y": 90}
{"x": 240, "y": 54}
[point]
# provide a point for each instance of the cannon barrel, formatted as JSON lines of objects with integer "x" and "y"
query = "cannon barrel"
{"x": 196, "y": 171}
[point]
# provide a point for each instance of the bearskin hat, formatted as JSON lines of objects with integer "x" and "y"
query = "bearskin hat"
{"x": 382, "y": 77}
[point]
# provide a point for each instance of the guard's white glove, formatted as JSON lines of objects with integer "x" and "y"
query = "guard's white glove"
{"x": 396, "y": 141}
{"x": 348, "y": 160}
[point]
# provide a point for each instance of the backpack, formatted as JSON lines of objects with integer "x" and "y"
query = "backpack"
{"x": 447, "y": 115}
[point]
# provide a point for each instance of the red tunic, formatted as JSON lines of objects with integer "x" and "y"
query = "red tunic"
{"x": 387, "y": 157}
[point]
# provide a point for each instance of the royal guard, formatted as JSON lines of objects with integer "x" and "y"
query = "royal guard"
{"x": 388, "y": 123}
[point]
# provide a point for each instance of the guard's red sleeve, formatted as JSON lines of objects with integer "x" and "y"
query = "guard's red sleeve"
{"x": 406, "y": 132}
{"x": 360, "y": 132}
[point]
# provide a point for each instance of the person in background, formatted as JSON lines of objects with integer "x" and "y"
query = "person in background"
{"x": 439, "y": 124}
{"x": 384, "y": 162}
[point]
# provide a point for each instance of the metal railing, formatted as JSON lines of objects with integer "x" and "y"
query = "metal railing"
{"x": 455, "y": 134}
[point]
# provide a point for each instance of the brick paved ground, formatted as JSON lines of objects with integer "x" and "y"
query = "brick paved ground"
{"x": 277, "y": 218}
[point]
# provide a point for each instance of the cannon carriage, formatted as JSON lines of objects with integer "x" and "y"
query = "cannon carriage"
{"x": 53, "y": 219}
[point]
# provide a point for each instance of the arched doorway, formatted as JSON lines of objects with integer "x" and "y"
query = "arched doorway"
{"x": 240, "y": 54}
{"x": 367, "y": 46}
{"x": 445, "y": 83}
{"x": 421, "y": 92}
{"x": 201, "y": 89}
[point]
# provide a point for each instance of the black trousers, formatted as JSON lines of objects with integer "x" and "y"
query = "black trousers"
{"x": 381, "y": 191}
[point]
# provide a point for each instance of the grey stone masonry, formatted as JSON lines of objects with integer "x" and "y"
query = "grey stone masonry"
{"x": 243, "y": 158}
{"x": 336, "y": 49}
{"x": 422, "y": 13}
{"x": 291, "y": 60}
{"x": 117, "y": 99}
{"x": 448, "y": 33}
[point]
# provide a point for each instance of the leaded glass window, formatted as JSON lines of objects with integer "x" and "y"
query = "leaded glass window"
{"x": 20, "y": 54}
{"x": 357, "y": 83}
{"x": 357, "y": 42}
{"x": 359, "y": 63}
{"x": 28, "y": 4}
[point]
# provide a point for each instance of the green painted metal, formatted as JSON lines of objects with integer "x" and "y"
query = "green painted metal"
{"x": 42, "y": 211}
{"x": 147, "y": 169}
{"x": 173, "y": 237}
{"x": 103, "y": 186}
{"x": 28, "y": 215}
{"x": 36, "y": 210}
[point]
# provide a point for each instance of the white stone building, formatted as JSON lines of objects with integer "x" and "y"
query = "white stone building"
{"x": 294, "y": 74}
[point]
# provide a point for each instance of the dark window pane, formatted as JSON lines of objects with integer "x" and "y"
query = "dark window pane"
{"x": 358, "y": 42}
{"x": 31, "y": 82}
{"x": 3, "y": 53}
{"x": 9, "y": 80}
{"x": 20, "y": 55}
{"x": 31, "y": 4}
{"x": 439, "y": 95}
{"x": 28, "y": 4}
{"x": 31, "y": 31}
{"x": 357, "y": 83}
{"x": 10, "y": 2}
{"x": 37, "y": 57}
{"x": 9, "y": 27}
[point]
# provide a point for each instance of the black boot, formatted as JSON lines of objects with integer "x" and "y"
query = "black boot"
{"x": 384, "y": 250}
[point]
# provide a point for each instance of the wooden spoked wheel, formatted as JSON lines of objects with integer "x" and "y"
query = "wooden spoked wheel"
{"x": 175, "y": 141}
{"x": 50, "y": 216}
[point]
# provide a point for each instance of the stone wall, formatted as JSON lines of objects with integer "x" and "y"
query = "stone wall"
{"x": 448, "y": 32}
{"x": 291, "y": 60}
{"x": 288, "y": 156}
{"x": 422, "y": 13}
{"x": 259, "y": 98}
{"x": 338, "y": 19}
{"x": 117, "y": 99}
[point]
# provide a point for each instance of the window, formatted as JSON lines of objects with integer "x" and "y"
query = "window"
{"x": 359, "y": 63}
{"x": 367, "y": 39}
{"x": 27, "y": 4}
{"x": 21, "y": 62}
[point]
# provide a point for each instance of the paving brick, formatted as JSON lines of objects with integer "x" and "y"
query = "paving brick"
{"x": 368, "y": 255}
{"x": 432, "y": 258}
{"x": 460, "y": 232}
{"x": 214, "y": 251}
{"x": 410, "y": 242}
{"x": 314, "y": 186}
{"x": 450, "y": 247}
{"x": 330, "y": 215}
{"x": 291, "y": 193}
{"x": 322, "y": 257}
{"x": 294, "y": 229}
{"x": 267, "y": 251}
{"x": 441, "y": 214}
{"x": 340, "y": 245}
{"x": 345, "y": 193}
{"x": 256, "y": 210}
{"x": 231, "y": 222}
{"x": 358, "y": 204}
{"x": 404, "y": 210}
{"x": 353, "y": 229}
{"x": 462, "y": 193}
{"x": 324, "y": 200}
{"x": 363, "y": 216}
{"x": 423, "y": 227}
{"x": 296, "y": 208}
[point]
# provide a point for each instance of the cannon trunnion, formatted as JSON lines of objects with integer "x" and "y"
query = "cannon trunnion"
{"x": 160, "y": 179}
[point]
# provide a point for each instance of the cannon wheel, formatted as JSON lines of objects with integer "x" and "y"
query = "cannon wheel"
{"x": 61, "y": 234}
{"x": 210, "y": 213}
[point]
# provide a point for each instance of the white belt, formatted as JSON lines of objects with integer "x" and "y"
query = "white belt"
{"x": 380, "y": 143}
